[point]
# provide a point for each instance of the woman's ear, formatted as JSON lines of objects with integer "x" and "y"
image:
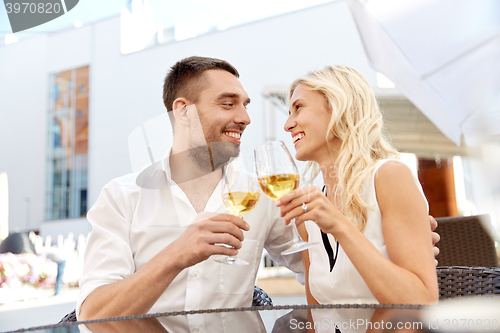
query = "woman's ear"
{"x": 180, "y": 111}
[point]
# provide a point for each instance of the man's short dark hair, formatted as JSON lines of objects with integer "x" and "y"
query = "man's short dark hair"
{"x": 184, "y": 78}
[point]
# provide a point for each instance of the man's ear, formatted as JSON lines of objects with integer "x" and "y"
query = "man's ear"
{"x": 180, "y": 111}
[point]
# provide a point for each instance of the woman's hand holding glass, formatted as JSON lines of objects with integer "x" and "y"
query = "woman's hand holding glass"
{"x": 319, "y": 209}
{"x": 278, "y": 175}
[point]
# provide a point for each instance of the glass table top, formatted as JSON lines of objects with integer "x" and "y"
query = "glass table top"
{"x": 466, "y": 314}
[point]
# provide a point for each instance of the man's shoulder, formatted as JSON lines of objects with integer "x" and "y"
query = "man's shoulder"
{"x": 151, "y": 177}
{"x": 126, "y": 182}
{"x": 118, "y": 193}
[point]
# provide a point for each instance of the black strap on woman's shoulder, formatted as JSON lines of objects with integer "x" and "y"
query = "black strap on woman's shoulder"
{"x": 328, "y": 246}
{"x": 329, "y": 250}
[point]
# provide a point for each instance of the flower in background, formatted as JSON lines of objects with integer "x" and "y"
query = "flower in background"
{"x": 27, "y": 268}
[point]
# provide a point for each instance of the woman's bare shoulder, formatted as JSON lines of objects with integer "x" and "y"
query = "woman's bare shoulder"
{"x": 395, "y": 184}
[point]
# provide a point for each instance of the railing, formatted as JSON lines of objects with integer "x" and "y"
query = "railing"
{"x": 72, "y": 251}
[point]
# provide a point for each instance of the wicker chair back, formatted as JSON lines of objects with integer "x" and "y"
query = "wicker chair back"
{"x": 465, "y": 242}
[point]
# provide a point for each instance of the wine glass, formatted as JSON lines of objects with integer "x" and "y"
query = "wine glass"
{"x": 240, "y": 194}
{"x": 278, "y": 175}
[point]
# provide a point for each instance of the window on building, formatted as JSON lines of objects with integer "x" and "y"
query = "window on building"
{"x": 67, "y": 151}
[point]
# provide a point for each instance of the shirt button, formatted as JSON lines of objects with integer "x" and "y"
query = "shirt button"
{"x": 195, "y": 274}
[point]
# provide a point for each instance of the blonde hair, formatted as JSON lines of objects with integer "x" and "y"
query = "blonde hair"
{"x": 356, "y": 120}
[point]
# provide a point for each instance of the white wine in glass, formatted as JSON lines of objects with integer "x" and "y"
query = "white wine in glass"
{"x": 278, "y": 176}
{"x": 239, "y": 194}
{"x": 276, "y": 186}
{"x": 240, "y": 203}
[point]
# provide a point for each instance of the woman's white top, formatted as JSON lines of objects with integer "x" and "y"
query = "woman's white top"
{"x": 344, "y": 284}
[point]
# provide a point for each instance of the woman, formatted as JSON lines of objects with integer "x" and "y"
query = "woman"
{"x": 372, "y": 219}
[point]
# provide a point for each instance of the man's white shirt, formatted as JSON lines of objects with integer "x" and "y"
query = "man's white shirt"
{"x": 131, "y": 224}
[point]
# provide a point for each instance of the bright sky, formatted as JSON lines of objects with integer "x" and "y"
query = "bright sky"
{"x": 202, "y": 13}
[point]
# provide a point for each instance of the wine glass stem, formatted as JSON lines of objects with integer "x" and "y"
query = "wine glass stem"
{"x": 234, "y": 257}
{"x": 296, "y": 235}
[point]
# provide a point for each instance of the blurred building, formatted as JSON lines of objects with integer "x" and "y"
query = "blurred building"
{"x": 72, "y": 102}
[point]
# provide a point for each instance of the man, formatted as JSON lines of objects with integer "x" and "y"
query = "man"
{"x": 152, "y": 247}
{"x": 155, "y": 235}
{"x": 58, "y": 256}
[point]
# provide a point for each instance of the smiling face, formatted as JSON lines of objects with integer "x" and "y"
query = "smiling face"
{"x": 222, "y": 112}
{"x": 308, "y": 122}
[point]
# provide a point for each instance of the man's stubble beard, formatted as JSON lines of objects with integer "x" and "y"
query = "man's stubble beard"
{"x": 210, "y": 153}
{"x": 213, "y": 155}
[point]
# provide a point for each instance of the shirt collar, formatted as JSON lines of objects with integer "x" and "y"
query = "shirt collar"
{"x": 165, "y": 165}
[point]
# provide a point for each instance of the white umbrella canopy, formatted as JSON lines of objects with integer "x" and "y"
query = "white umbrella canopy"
{"x": 444, "y": 56}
